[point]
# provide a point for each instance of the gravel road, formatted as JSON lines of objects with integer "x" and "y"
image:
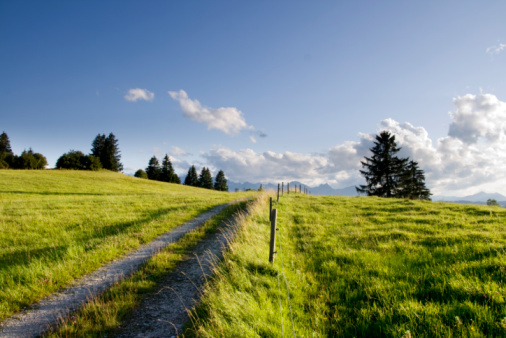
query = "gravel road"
{"x": 48, "y": 312}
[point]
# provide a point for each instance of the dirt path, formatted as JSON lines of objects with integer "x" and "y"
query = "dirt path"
{"x": 48, "y": 312}
{"x": 165, "y": 312}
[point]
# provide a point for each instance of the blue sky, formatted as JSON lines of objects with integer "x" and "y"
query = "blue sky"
{"x": 265, "y": 90}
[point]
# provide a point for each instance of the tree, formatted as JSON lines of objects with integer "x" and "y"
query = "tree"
{"x": 192, "y": 178}
{"x": 5, "y": 144}
{"x": 141, "y": 174}
{"x": 30, "y": 160}
{"x": 383, "y": 170}
{"x": 412, "y": 183}
{"x": 167, "y": 173}
{"x": 205, "y": 179}
{"x": 107, "y": 150}
{"x": 220, "y": 183}
{"x": 153, "y": 170}
{"x": 76, "y": 160}
{"x": 492, "y": 202}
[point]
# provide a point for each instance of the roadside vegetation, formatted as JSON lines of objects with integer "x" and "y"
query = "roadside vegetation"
{"x": 57, "y": 225}
{"x": 361, "y": 266}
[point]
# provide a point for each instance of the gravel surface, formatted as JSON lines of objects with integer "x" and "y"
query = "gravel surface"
{"x": 48, "y": 312}
{"x": 165, "y": 312}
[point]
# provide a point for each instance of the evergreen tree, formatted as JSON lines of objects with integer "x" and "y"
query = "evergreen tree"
{"x": 140, "y": 174}
{"x": 383, "y": 170}
{"x": 192, "y": 177}
{"x": 220, "y": 183}
{"x": 205, "y": 179}
{"x": 5, "y": 144}
{"x": 153, "y": 170}
{"x": 167, "y": 171}
{"x": 107, "y": 150}
{"x": 412, "y": 183}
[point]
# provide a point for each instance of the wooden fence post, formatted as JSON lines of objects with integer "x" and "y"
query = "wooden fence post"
{"x": 288, "y": 188}
{"x": 273, "y": 235}
{"x": 282, "y": 188}
{"x": 270, "y": 209}
{"x": 278, "y": 194}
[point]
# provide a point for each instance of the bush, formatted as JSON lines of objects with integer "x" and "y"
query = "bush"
{"x": 141, "y": 174}
{"x": 76, "y": 160}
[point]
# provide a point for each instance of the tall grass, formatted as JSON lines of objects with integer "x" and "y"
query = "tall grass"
{"x": 58, "y": 225}
{"x": 362, "y": 267}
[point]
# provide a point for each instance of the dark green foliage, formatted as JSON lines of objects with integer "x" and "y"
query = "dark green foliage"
{"x": 492, "y": 202}
{"x": 167, "y": 173}
{"x": 106, "y": 149}
{"x": 220, "y": 183}
{"x": 412, "y": 183}
{"x": 5, "y": 144}
{"x": 383, "y": 170}
{"x": 141, "y": 174}
{"x": 29, "y": 160}
{"x": 76, "y": 160}
{"x": 153, "y": 169}
{"x": 205, "y": 179}
{"x": 192, "y": 178}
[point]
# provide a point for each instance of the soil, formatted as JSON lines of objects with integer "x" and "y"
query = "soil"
{"x": 161, "y": 314}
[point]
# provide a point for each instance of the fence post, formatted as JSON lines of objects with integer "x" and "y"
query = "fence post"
{"x": 278, "y": 194}
{"x": 273, "y": 235}
{"x": 288, "y": 188}
{"x": 270, "y": 209}
{"x": 282, "y": 188}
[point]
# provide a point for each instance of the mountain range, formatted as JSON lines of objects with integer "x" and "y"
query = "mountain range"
{"x": 325, "y": 189}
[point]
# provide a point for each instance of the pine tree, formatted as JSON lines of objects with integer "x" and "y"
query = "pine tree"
{"x": 412, "y": 183}
{"x": 153, "y": 170}
{"x": 383, "y": 170}
{"x": 167, "y": 171}
{"x": 220, "y": 183}
{"x": 192, "y": 178}
{"x": 205, "y": 179}
{"x": 107, "y": 150}
{"x": 5, "y": 144}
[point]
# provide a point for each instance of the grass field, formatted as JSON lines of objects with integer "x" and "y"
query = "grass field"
{"x": 58, "y": 225}
{"x": 362, "y": 267}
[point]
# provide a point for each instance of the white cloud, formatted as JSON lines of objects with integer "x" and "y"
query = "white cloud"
{"x": 252, "y": 139}
{"x": 176, "y": 151}
{"x": 227, "y": 119}
{"x": 496, "y": 49}
{"x": 470, "y": 159}
{"x": 137, "y": 94}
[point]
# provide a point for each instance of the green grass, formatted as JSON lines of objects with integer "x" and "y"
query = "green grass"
{"x": 58, "y": 225}
{"x": 362, "y": 267}
{"x": 106, "y": 313}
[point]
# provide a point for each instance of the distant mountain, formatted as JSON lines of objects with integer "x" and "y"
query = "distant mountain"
{"x": 479, "y": 198}
{"x": 322, "y": 189}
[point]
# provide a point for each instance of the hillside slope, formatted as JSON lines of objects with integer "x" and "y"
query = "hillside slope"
{"x": 58, "y": 225}
{"x": 362, "y": 267}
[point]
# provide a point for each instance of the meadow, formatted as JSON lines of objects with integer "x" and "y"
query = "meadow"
{"x": 361, "y": 267}
{"x": 56, "y": 226}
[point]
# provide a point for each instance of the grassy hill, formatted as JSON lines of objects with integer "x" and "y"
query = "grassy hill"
{"x": 58, "y": 225}
{"x": 357, "y": 266}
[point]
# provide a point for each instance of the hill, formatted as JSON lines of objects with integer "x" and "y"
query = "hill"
{"x": 362, "y": 267}
{"x": 57, "y": 225}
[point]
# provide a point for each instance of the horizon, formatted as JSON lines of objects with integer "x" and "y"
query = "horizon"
{"x": 285, "y": 91}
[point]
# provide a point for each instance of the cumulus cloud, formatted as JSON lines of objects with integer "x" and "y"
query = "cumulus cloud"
{"x": 229, "y": 120}
{"x": 496, "y": 49}
{"x": 472, "y": 157}
{"x": 176, "y": 151}
{"x": 137, "y": 94}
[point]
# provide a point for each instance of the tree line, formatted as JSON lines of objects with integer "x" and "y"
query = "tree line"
{"x": 387, "y": 175}
{"x": 105, "y": 154}
{"x": 165, "y": 172}
{"x": 27, "y": 160}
